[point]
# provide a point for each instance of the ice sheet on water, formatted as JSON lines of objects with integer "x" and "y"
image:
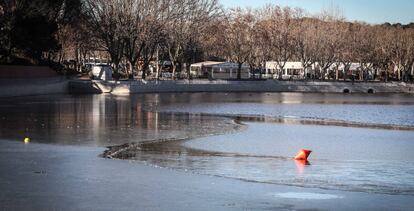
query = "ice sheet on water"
{"x": 305, "y": 195}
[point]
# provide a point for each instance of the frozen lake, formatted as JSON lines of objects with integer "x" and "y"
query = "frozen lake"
{"x": 215, "y": 138}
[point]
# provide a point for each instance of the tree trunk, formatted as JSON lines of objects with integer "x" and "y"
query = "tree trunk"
{"x": 304, "y": 72}
{"x": 386, "y": 76}
{"x": 399, "y": 73}
{"x": 252, "y": 71}
{"x": 128, "y": 70}
{"x": 239, "y": 71}
{"x": 144, "y": 71}
{"x": 346, "y": 71}
{"x": 131, "y": 69}
{"x": 174, "y": 67}
{"x": 188, "y": 70}
{"x": 336, "y": 74}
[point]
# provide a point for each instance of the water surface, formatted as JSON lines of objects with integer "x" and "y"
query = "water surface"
{"x": 209, "y": 133}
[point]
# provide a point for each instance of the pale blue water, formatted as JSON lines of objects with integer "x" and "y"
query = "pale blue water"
{"x": 356, "y": 159}
{"x": 360, "y": 113}
{"x": 343, "y": 158}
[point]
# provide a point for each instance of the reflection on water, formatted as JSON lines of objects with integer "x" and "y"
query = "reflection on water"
{"x": 301, "y": 164}
{"x": 379, "y": 109}
{"x": 372, "y": 114}
{"x": 100, "y": 120}
{"x": 359, "y": 142}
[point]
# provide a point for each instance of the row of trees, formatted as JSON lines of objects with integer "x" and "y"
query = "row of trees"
{"x": 138, "y": 32}
{"x": 326, "y": 41}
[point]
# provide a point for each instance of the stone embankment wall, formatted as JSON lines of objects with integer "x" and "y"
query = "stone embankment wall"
{"x": 125, "y": 87}
{"x": 59, "y": 85}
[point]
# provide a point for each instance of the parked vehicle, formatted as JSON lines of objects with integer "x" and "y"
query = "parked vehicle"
{"x": 101, "y": 72}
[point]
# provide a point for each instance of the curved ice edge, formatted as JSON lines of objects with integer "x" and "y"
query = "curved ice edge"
{"x": 307, "y": 186}
{"x": 115, "y": 152}
{"x": 173, "y": 146}
{"x": 147, "y": 147}
{"x": 240, "y": 118}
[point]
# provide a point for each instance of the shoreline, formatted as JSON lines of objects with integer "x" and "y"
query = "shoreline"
{"x": 189, "y": 86}
{"x": 60, "y": 85}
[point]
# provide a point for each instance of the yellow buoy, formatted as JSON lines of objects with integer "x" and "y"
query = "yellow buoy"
{"x": 26, "y": 140}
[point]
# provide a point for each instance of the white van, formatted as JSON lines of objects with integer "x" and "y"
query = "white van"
{"x": 102, "y": 72}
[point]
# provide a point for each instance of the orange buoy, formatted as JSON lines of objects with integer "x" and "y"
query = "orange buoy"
{"x": 303, "y": 154}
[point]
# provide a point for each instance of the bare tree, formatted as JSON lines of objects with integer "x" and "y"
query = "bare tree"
{"x": 188, "y": 22}
{"x": 144, "y": 24}
{"x": 305, "y": 43}
{"x": 402, "y": 52}
{"x": 106, "y": 17}
{"x": 236, "y": 38}
{"x": 327, "y": 46}
{"x": 409, "y": 58}
{"x": 346, "y": 54}
{"x": 188, "y": 30}
{"x": 257, "y": 42}
{"x": 212, "y": 39}
{"x": 281, "y": 35}
{"x": 263, "y": 51}
{"x": 364, "y": 49}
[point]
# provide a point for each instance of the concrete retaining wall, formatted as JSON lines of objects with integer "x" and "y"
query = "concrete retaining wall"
{"x": 59, "y": 85}
{"x": 38, "y": 86}
{"x": 126, "y": 87}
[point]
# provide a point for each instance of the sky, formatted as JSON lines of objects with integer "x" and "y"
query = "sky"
{"x": 370, "y": 11}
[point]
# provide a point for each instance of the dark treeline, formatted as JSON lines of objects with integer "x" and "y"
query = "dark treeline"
{"x": 29, "y": 28}
{"x": 134, "y": 33}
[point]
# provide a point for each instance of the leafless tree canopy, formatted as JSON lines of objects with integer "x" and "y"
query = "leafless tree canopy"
{"x": 132, "y": 34}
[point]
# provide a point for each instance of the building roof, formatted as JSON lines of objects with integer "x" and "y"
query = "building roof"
{"x": 214, "y": 64}
{"x": 288, "y": 65}
{"x": 353, "y": 66}
{"x": 298, "y": 65}
{"x": 205, "y": 64}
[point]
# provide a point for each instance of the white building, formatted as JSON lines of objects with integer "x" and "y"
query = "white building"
{"x": 291, "y": 70}
{"x": 352, "y": 66}
{"x": 295, "y": 70}
{"x": 219, "y": 70}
